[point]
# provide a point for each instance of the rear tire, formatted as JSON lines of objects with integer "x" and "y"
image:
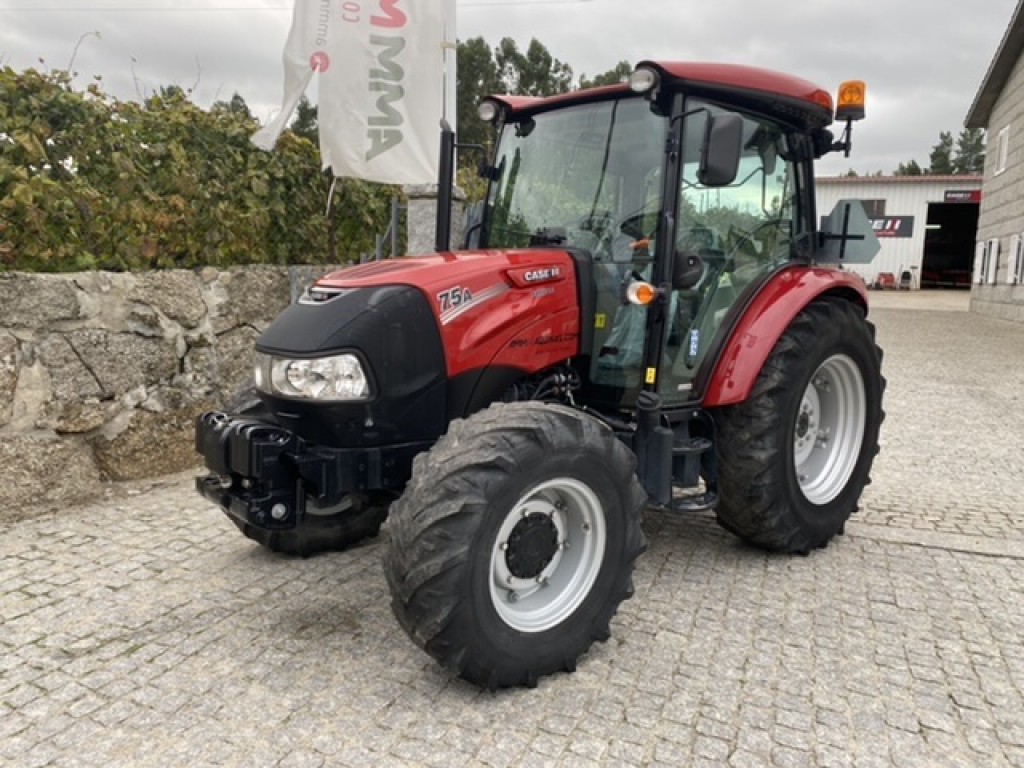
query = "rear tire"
{"x": 478, "y": 567}
{"x": 795, "y": 456}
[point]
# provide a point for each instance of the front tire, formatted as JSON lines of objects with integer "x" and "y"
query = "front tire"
{"x": 515, "y": 541}
{"x": 357, "y": 517}
{"x": 333, "y": 529}
{"x": 795, "y": 456}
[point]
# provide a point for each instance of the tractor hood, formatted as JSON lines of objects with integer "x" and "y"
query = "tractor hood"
{"x": 482, "y": 302}
{"x": 435, "y": 273}
{"x": 425, "y": 330}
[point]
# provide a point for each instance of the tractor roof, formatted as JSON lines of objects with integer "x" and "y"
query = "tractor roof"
{"x": 784, "y": 96}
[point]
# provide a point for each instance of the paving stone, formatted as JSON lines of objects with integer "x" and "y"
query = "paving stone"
{"x": 143, "y": 630}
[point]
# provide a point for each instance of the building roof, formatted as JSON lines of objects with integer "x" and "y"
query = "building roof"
{"x": 925, "y": 178}
{"x": 999, "y": 71}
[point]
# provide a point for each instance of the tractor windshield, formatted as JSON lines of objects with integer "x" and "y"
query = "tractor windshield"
{"x": 585, "y": 176}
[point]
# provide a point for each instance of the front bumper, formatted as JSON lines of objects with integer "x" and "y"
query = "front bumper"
{"x": 263, "y": 475}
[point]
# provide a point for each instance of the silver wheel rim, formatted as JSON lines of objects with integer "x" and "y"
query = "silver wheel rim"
{"x": 315, "y": 510}
{"x": 829, "y": 429}
{"x": 568, "y": 518}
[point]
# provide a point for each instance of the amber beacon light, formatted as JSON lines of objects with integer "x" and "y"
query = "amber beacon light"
{"x": 852, "y": 96}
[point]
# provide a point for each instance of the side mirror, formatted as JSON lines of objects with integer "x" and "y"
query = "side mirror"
{"x": 687, "y": 270}
{"x": 723, "y": 146}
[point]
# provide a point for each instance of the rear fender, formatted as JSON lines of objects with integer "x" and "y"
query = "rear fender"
{"x": 766, "y": 319}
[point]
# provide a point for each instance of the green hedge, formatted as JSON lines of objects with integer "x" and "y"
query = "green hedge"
{"x": 91, "y": 182}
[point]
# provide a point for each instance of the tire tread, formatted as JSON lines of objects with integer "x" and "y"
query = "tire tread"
{"x": 433, "y": 523}
{"x": 754, "y": 503}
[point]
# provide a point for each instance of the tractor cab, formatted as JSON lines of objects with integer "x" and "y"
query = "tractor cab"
{"x": 686, "y": 188}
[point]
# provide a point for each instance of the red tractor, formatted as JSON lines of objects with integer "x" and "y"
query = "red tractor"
{"x": 647, "y": 314}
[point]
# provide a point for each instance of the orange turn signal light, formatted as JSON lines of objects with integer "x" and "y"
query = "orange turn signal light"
{"x": 641, "y": 293}
{"x": 852, "y": 99}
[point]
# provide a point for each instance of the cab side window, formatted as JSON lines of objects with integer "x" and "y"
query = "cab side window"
{"x": 738, "y": 232}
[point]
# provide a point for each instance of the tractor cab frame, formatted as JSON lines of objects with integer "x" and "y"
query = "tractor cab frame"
{"x": 682, "y": 194}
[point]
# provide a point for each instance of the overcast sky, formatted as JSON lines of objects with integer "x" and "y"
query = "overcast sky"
{"x": 923, "y": 59}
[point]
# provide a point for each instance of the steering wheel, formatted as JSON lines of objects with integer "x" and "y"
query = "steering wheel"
{"x": 618, "y": 241}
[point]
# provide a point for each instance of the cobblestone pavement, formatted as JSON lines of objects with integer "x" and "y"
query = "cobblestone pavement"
{"x": 146, "y": 631}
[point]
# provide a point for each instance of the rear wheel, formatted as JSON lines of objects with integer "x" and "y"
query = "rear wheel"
{"x": 795, "y": 456}
{"x": 515, "y": 541}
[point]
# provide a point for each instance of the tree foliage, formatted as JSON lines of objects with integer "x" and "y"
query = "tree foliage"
{"x": 964, "y": 157}
{"x": 909, "y": 169}
{"x": 483, "y": 71}
{"x": 306, "y": 122}
{"x": 970, "y": 152}
{"x": 941, "y": 156}
{"x": 505, "y": 69}
{"x": 477, "y": 77}
{"x": 533, "y": 73}
{"x": 87, "y": 181}
{"x": 617, "y": 74}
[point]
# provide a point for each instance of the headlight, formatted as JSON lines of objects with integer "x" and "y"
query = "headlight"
{"x": 643, "y": 80}
{"x": 488, "y": 110}
{"x": 333, "y": 379}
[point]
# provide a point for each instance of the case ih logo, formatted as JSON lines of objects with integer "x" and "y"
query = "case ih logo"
{"x": 893, "y": 226}
{"x": 542, "y": 275}
{"x": 962, "y": 196}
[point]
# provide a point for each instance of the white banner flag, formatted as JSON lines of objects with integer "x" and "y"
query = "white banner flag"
{"x": 382, "y": 67}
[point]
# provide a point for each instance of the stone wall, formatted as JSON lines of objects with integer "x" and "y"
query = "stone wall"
{"x": 102, "y": 374}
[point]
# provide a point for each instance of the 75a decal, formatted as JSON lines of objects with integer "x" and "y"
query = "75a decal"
{"x": 453, "y": 298}
{"x": 457, "y": 301}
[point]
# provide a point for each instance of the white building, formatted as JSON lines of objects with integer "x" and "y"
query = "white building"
{"x": 927, "y": 226}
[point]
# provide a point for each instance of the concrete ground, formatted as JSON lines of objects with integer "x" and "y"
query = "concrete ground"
{"x": 936, "y": 301}
{"x": 146, "y": 631}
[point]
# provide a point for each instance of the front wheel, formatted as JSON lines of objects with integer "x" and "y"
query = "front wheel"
{"x": 326, "y": 529}
{"x": 795, "y": 456}
{"x": 515, "y": 541}
{"x": 357, "y": 517}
